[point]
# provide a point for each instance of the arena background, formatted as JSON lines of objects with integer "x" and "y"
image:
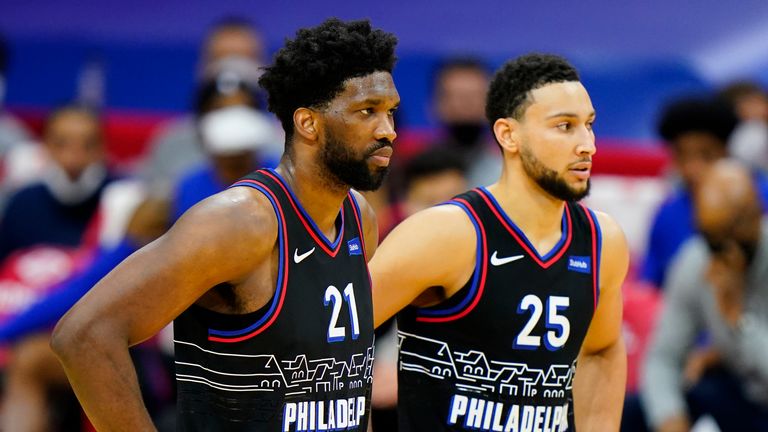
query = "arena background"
{"x": 139, "y": 59}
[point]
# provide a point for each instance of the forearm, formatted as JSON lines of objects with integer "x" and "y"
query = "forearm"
{"x": 104, "y": 379}
{"x": 598, "y": 390}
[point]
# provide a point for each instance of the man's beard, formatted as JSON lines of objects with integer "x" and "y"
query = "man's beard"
{"x": 549, "y": 180}
{"x": 347, "y": 169}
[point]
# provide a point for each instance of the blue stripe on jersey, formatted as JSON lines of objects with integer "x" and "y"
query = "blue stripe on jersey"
{"x": 358, "y": 218}
{"x": 433, "y": 311}
{"x": 278, "y": 290}
{"x": 599, "y": 234}
{"x": 564, "y": 229}
{"x": 331, "y": 245}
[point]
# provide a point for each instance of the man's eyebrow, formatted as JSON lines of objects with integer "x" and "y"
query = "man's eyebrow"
{"x": 568, "y": 114}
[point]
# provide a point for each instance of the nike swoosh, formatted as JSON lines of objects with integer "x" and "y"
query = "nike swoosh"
{"x": 501, "y": 261}
{"x": 299, "y": 258}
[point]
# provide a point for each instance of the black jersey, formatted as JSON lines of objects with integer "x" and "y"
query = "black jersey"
{"x": 500, "y": 354}
{"x": 303, "y": 362}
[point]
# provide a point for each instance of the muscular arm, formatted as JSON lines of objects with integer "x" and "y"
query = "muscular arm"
{"x": 598, "y": 390}
{"x": 220, "y": 240}
{"x": 433, "y": 248}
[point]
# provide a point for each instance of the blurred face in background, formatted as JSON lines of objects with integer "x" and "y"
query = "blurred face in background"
{"x": 752, "y": 107}
{"x": 694, "y": 153}
{"x": 460, "y": 103}
{"x": 73, "y": 141}
{"x": 430, "y": 190}
{"x": 460, "y": 95}
{"x": 234, "y": 41}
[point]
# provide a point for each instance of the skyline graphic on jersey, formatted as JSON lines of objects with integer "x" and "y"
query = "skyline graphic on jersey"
{"x": 474, "y": 372}
{"x": 265, "y": 373}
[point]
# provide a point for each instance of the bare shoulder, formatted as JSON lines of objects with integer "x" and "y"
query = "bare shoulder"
{"x": 437, "y": 244}
{"x": 614, "y": 251}
{"x": 367, "y": 213}
{"x": 239, "y": 219}
{"x": 614, "y": 240}
{"x": 610, "y": 229}
{"x": 366, "y": 210}
{"x": 369, "y": 221}
{"x": 443, "y": 224}
{"x": 424, "y": 260}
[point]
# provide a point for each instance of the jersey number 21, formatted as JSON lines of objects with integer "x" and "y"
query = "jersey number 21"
{"x": 338, "y": 333}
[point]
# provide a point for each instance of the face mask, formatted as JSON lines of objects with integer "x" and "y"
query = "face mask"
{"x": 466, "y": 134}
{"x": 71, "y": 192}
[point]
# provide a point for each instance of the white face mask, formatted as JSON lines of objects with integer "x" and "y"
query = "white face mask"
{"x": 71, "y": 192}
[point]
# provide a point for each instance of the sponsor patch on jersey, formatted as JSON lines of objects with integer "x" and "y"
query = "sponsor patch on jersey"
{"x": 355, "y": 248}
{"x": 581, "y": 264}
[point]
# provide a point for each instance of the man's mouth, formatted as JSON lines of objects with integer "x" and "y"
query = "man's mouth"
{"x": 381, "y": 156}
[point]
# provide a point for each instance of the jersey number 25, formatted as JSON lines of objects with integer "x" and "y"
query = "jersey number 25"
{"x": 558, "y": 325}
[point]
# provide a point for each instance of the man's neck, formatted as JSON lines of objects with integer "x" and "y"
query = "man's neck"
{"x": 319, "y": 198}
{"x": 534, "y": 211}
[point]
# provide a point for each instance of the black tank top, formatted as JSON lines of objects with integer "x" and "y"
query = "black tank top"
{"x": 304, "y": 360}
{"x": 500, "y": 354}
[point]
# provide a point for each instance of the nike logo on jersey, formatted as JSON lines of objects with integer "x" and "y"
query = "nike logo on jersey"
{"x": 299, "y": 258}
{"x": 495, "y": 260}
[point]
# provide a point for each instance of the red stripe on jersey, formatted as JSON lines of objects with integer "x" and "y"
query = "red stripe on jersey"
{"x": 595, "y": 263}
{"x": 285, "y": 275}
{"x": 303, "y": 220}
{"x": 483, "y": 273}
{"x": 533, "y": 254}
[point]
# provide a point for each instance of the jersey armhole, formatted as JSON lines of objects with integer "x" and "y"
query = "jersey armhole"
{"x": 440, "y": 313}
{"x": 278, "y": 298}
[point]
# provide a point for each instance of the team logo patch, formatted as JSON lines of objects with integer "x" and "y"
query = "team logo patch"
{"x": 354, "y": 246}
{"x": 581, "y": 264}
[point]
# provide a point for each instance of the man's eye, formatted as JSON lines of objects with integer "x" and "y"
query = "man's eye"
{"x": 564, "y": 126}
{"x": 367, "y": 111}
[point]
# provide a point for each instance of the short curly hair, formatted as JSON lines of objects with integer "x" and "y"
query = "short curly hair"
{"x": 704, "y": 114}
{"x": 311, "y": 69}
{"x": 508, "y": 95}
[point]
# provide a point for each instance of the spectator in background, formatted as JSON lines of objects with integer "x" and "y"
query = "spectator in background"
{"x": 696, "y": 130}
{"x": 232, "y": 54}
{"x": 749, "y": 142}
{"x": 429, "y": 178}
{"x": 13, "y": 155}
{"x": 232, "y": 138}
{"x": 57, "y": 209}
{"x": 717, "y": 284}
{"x": 36, "y": 395}
{"x": 460, "y": 90}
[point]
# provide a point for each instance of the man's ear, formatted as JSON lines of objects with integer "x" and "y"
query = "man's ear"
{"x": 507, "y": 132}
{"x": 307, "y": 123}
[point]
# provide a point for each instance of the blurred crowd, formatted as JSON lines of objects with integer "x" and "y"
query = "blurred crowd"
{"x": 697, "y": 301}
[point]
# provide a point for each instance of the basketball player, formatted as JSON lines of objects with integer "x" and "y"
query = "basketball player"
{"x": 505, "y": 287}
{"x": 267, "y": 281}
